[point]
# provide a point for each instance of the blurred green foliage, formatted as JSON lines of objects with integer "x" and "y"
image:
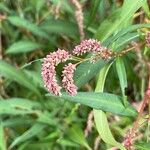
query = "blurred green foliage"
{"x": 34, "y": 120}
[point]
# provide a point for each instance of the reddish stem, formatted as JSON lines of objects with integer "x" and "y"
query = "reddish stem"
{"x": 145, "y": 101}
{"x": 129, "y": 140}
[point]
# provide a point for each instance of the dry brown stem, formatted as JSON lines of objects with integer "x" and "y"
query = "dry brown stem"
{"x": 79, "y": 17}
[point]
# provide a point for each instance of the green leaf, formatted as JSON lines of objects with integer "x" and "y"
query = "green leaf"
{"x": 61, "y": 27}
{"x": 87, "y": 71}
{"x": 17, "y": 75}
{"x": 66, "y": 142}
{"x": 142, "y": 146}
{"x": 13, "y": 111}
{"x": 103, "y": 129}
{"x": 122, "y": 42}
{"x": 33, "y": 131}
{"x": 2, "y": 137}
{"x": 103, "y": 101}
{"x": 146, "y": 8}
{"x": 100, "y": 117}
{"x": 93, "y": 11}
{"x": 36, "y": 145}
{"x": 16, "y": 106}
{"x": 122, "y": 77}
{"x": 121, "y": 73}
{"x": 21, "y": 106}
{"x": 102, "y": 78}
{"x": 21, "y": 103}
{"x": 23, "y": 23}
{"x": 128, "y": 9}
{"x": 23, "y": 47}
{"x": 124, "y": 31}
{"x": 76, "y": 135}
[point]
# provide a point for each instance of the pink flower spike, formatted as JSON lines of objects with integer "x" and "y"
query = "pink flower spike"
{"x": 90, "y": 45}
{"x": 67, "y": 81}
{"x": 48, "y": 75}
{"x": 48, "y": 70}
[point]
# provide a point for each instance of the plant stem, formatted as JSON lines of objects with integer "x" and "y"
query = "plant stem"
{"x": 119, "y": 54}
{"x": 145, "y": 100}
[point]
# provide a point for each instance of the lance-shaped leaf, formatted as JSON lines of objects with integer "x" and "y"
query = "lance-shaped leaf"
{"x": 122, "y": 77}
{"x": 23, "y": 47}
{"x": 103, "y": 101}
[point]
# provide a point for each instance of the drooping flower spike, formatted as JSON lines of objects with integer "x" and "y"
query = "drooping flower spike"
{"x": 90, "y": 45}
{"x": 67, "y": 81}
{"x": 48, "y": 70}
{"x": 95, "y": 47}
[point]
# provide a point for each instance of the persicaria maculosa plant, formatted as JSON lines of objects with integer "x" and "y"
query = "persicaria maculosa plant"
{"x": 96, "y": 51}
{"x": 97, "y": 82}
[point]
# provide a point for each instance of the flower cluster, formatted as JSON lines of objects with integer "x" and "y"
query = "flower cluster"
{"x": 129, "y": 138}
{"x": 53, "y": 59}
{"x": 86, "y": 46}
{"x": 79, "y": 16}
{"x": 48, "y": 70}
{"x": 67, "y": 81}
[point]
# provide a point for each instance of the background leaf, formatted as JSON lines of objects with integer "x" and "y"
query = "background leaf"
{"x": 2, "y": 138}
{"x": 33, "y": 131}
{"x": 12, "y": 73}
{"x": 77, "y": 135}
{"x": 94, "y": 9}
{"x": 61, "y": 27}
{"x": 142, "y": 146}
{"x": 23, "y": 23}
{"x": 23, "y": 47}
